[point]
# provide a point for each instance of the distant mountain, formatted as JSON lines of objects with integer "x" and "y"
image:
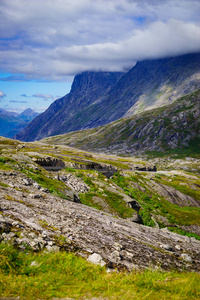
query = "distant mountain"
{"x": 100, "y": 98}
{"x": 176, "y": 126}
{"x": 11, "y": 123}
{"x": 62, "y": 115}
{"x": 28, "y": 115}
{"x": 8, "y": 113}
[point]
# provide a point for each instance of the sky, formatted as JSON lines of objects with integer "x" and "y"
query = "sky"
{"x": 44, "y": 44}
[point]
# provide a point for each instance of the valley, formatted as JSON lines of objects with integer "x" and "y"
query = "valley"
{"x": 108, "y": 178}
{"x": 99, "y": 150}
{"x": 92, "y": 203}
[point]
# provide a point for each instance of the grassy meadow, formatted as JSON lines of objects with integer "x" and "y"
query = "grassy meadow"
{"x": 65, "y": 275}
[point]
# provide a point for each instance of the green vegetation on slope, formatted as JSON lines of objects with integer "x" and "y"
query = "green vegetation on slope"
{"x": 54, "y": 186}
{"x": 113, "y": 201}
{"x": 153, "y": 205}
{"x": 102, "y": 195}
{"x": 173, "y": 129}
{"x": 47, "y": 275}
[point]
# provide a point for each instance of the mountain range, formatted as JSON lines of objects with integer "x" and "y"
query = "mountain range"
{"x": 176, "y": 126}
{"x": 12, "y": 122}
{"x": 98, "y": 98}
{"x": 134, "y": 210}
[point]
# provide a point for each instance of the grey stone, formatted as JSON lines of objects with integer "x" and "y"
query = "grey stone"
{"x": 117, "y": 246}
{"x": 166, "y": 247}
{"x": 116, "y": 256}
{"x": 186, "y": 257}
{"x": 36, "y": 185}
{"x": 32, "y": 235}
{"x": 52, "y": 248}
{"x": 11, "y": 235}
{"x": 136, "y": 218}
{"x": 178, "y": 247}
{"x": 26, "y": 182}
{"x": 96, "y": 259}
{"x": 87, "y": 230}
{"x": 44, "y": 190}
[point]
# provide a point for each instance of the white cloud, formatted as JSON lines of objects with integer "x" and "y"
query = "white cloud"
{"x": 52, "y": 39}
{"x": 45, "y": 97}
{"x": 2, "y": 95}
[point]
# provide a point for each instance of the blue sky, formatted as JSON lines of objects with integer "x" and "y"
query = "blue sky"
{"x": 21, "y": 95}
{"x": 44, "y": 44}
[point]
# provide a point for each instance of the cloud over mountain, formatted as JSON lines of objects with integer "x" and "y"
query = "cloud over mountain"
{"x": 54, "y": 39}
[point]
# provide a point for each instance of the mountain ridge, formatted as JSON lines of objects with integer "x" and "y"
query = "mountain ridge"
{"x": 99, "y": 82}
{"x": 11, "y": 122}
{"x": 169, "y": 127}
{"x": 95, "y": 100}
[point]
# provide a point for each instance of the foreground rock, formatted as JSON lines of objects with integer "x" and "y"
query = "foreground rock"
{"x": 43, "y": 221}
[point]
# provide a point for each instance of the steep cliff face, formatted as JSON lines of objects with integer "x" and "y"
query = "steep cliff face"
{"x": 99, "y": 98}
{"x": 61, "y": 116}
{"x": 149, "y": 84}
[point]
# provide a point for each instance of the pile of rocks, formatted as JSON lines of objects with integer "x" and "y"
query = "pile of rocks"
{"x": 75, "y": 183}
{"x": 17, "y": 180}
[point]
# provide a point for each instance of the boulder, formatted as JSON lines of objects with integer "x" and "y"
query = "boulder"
{"x": 96, "y": 259}
{"x": 136, "y": 218}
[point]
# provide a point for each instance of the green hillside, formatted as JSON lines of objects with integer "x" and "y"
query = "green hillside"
{"x": 171, "y": 129}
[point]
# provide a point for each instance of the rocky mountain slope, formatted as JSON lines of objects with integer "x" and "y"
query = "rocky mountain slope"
{"x": 123, "y": 212}
{"x": 63, "y": 113}
{"x": 176, "y": 126}
{"x": 12, "y": 123}
{"x": 99, "y": 98}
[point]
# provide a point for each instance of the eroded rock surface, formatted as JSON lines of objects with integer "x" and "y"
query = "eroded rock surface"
{"x": 50, "y": 163}
{"x": 173, "y": 195}
{"x": 29, "y": 216}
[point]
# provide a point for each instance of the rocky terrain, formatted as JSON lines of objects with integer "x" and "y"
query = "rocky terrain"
{"x": 175, "y": 126}
{"x": 120, "y": 212}
{"x": 87, "y": 88}
{"x": 98, "y": 98}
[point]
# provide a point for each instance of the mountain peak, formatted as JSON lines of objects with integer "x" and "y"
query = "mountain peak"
{"x": 28, "y": 112}
{"x": 98, "y": 98}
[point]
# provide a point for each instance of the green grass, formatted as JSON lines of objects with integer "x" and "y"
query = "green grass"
{"x": 4, "y": 163}
{"x": 157, "y": 205}
{"x": 148, "y": 204}
{"x": 184, "y": 232}
{"x": 87, "y": 199}
{"x": 185, "y": 189}
{"x": 118, "y": 205}
{"x": 4, "y": 184}
{"x": 44, "y": 276}
{"x": 54, "y": 186}
{"x": 115, "y": 202}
